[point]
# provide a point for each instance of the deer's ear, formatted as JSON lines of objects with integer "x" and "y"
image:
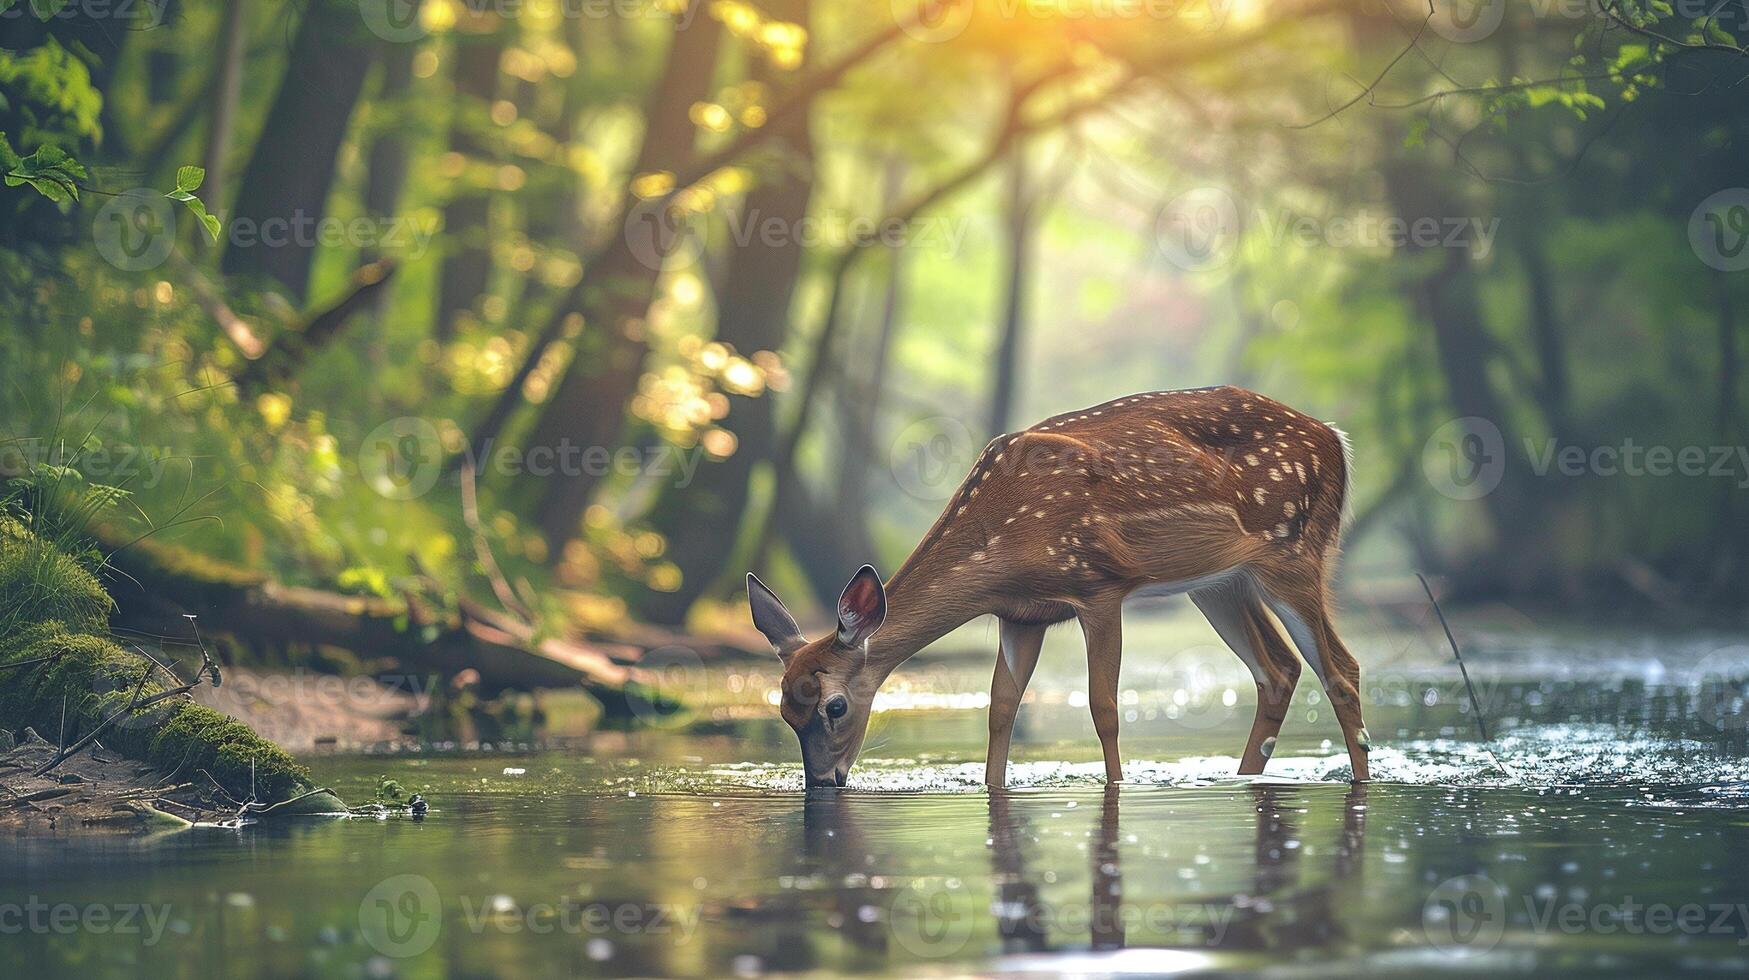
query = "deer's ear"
{"x": 862, "y": 608}
{"x": 773, "y": 619}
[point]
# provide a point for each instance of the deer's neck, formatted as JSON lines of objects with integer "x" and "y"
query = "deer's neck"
{"x": 926, "y": 600}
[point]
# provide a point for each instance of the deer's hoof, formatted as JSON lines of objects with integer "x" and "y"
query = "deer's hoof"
{"x": 1365, "y": 740}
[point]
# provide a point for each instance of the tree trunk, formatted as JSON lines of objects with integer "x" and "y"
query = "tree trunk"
{"x": 861, "y": 412}
{"x": 753, "y": 314}
{"x": 285, "y": 186}
{"x": 1447, "y": 298}
{"x": 1731, "y": 541}
{"x": 228, "y": 89}
{"x": 588, "y": 407}
{"x": 386, "y": 168}
{"x": 1014, "y": 306}
{"x": 467, "y": 262}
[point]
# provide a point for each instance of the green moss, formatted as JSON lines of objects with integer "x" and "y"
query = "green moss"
{"x": 38, "y": 582}
{"x": 93, "y": 678}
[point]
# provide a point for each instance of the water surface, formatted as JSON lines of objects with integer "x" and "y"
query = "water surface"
{"x": 1605, "y": 832}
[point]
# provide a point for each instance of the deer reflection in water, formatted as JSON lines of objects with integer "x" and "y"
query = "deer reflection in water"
{"x": 1275, "y": 912}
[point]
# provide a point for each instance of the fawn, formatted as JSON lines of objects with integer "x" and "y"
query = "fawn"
{"x": 1221, "y": 493}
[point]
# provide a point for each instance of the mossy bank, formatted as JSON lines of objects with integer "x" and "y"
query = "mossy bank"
{"x": 55, "y": 651}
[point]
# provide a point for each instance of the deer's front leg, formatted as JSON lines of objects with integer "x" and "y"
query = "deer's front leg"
{"x": 1103, "y": 626}
{"x": 1014, "y": 666}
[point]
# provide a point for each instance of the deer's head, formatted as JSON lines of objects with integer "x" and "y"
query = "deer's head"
{"x": 829, "y": 683}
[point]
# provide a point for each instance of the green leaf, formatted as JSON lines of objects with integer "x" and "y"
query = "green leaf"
{"x": 53, "y": 189}
{"x": 207, "y": 221}
{"x": 187, "y": 180}
{"x": 1417, "y": 135}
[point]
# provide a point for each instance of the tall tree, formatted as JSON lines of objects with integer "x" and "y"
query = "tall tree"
{"x": 467, "y": 260}
{"x": 1018, "y": 237}
{"x": 753, "y": 314}
{"x": 588, "y": 407}
{"x": 285, "y": 186}
{"x": 227, "y": 91}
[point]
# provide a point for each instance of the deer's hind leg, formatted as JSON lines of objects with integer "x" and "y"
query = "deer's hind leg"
{"x": 1103, "y": 625}
{"x": 1236, "y": 612}
{"x": 1300, "y": 599}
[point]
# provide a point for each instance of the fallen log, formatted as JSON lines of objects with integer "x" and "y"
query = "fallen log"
{"x": 156, "y": 585}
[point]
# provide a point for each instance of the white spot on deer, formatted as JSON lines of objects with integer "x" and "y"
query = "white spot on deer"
{"x": 1275, "y": 474}
{"x": 1288, "y": 508}
{"x": 1258, "y": 496}
{"x": 1251, "y": 459}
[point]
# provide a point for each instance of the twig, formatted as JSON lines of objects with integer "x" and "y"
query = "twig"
{"x": 483, "y": 548}
{"x": 1475, "y": 703}
{"x": 69, "y": 751}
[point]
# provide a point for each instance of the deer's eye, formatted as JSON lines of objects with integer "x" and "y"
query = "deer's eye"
{"x": 837, "y": 706}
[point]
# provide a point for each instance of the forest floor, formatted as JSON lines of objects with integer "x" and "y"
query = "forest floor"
{"x": 98, "y": 790}
{"x": 305, "y": 712}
